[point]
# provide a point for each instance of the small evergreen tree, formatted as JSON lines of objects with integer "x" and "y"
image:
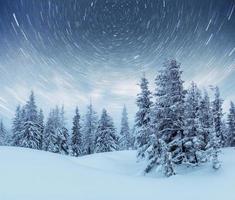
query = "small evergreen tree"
{"x": 41, "y": 126}
{"x": 125, "y": 138}
{"x": 63, "y": 138}
{"x": 106, "y": 138}
{"x": 206, "y": 119}
{"x": 49, "y": 136}
{"x": 214, "y": 151}
{"x": 142, "y": 119}
{"x": 16, "y": 127}
{"x": 55, "y": 133}
{"x": 76, "y": 139}
{"x": 193, "y": 141}
{"x": 159, "y": 157}
{"x": 231, "y": 125}
{"x": 217, "y": 116}
{"x": 89, "y": 129}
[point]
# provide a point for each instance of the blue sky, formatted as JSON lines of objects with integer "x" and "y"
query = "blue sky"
{"x": 69, "y": 52}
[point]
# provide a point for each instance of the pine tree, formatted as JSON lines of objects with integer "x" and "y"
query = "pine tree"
{"x": 2, "y": 134}
{"x": 206, "y": 119}
{"x": 169, "y": 109}
{"x": 167, "y": 122}
{"x": 55, "y": 133}
{"x": 63, "y": 138}
{"x": 225, "y": 133}
{"x": 76, "y": 139}
{"x": 142, "y": 119}
{"x": 214, "y": 150}
{"x": 16, "y": 127}
{"x": 125, "y": 138}
{"x": 159, "y": 155}
{"x": 231, "y": 125}
{"x": 41, "y": 126}
{"x": 106, "y": 138}
{"x": 29, "y": 134}
{"x": 49, "y": 136}
{"x": 217, "y": 116}
{"x": 193, "y": 141}
{"x": 88, "y": 130}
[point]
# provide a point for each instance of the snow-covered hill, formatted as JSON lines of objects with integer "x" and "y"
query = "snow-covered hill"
{"x": 35, "y": 175}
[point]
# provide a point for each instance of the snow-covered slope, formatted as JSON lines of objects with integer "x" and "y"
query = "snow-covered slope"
{"x": 35, "y": 175}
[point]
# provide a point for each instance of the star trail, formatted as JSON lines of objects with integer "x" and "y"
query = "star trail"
{"x": 73, "y": 51}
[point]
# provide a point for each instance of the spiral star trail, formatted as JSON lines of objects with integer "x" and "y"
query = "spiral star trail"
{"x": 71, "y": 51}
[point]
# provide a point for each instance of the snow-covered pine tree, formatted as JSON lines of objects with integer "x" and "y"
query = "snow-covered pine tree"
{"x": 206, "y": 119}
{"x": 193, "y": 141}
{"x": 55, "y": 133}
{"x": 207, "y": 124}
{"x": 159, "y": 157}
{"x": 143, "y": 119}
{"x": 214, "y": 150}
{"x": 49, "y": 136}
{"x": 63, "y": 138}
{"x": 76, "y": 138}
{"x": 89, "y": 127}
{"x": 2, "y": 134}
{"x": 125, "y": 138}
{"x": 168, "y": 119}
{"x": 41, "y": 125}
{"x": 231, "y": 125}
{"x": 30, "y": 135}
{"x": 217, "y": 116}
{"x": 16, "y": 127}
{"x": 106, "y": 137}
{"x": 225, "y": 133}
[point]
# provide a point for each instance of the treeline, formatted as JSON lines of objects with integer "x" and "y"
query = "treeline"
{"x": 180, "y": 127}
{"x": 173, "y": 126}
{"x": 88, "y": 134}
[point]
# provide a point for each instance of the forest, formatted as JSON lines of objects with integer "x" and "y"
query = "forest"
{"x": 173, "y": 126}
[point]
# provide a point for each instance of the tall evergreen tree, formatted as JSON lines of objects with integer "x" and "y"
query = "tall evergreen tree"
{"x": 143, "y": 119}
{"x": 106, "y": 137}
{"x": 193, "y": 141}
{"x": 217, "y": 116}
{"x": 231, "y": 125}
{"x": 169, "y": 108}
{"x": 29, "y": 134}
{"x": 76, "y": 139}
{"x": 89, "y": 129}
{"x": 125, "y": 138}
{"x": 167, "y": 120}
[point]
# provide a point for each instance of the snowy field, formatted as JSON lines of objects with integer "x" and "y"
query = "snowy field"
{"x": 27, "y": 174}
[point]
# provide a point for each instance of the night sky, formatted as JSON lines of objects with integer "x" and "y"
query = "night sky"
{"x": 70, "y": 51}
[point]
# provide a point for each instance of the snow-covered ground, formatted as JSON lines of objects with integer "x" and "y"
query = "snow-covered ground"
{"x": 35, "y": 175}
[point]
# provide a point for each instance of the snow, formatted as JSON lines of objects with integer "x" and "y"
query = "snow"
{"x": 27, "y": 174}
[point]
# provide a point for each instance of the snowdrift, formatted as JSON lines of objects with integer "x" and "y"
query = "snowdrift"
{"x": 27, "y": 174}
